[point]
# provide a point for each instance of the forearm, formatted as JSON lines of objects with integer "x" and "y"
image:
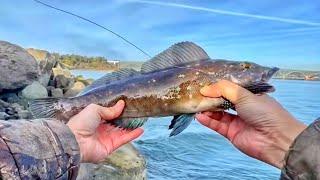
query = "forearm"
{"x": 302, "y": 160}
{"x": 281, "y": 142}
{"x": 44, "y": 149}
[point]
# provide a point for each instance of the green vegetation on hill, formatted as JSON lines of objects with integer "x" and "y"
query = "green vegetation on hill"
{"x": 85, "y": 62}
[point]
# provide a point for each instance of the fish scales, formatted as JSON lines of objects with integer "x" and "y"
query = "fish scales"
{"x": 168, "y": 85}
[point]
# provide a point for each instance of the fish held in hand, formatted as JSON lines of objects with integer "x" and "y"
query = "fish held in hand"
{"x": 167, "y": 85}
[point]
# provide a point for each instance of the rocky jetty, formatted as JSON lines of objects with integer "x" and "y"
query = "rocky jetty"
{"x": 31, "y": 74}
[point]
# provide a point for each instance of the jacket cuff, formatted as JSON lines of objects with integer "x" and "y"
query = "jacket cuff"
{"x": 41, "y": 149}
{"x": 303, "y": 158}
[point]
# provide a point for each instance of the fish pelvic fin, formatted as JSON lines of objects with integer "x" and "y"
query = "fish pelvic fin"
{"x": 44, "y": 108}
{"x": 180, "y": 123}
{"x": 260, "y": 88}
{"x": 129, "y": 123}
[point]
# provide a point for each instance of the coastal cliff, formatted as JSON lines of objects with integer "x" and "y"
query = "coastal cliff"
{"x": 31, "y": 74}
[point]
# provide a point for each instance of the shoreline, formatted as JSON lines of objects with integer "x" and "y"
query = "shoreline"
{"x": 94, "y": 70}
{"x": 109, "y": 71}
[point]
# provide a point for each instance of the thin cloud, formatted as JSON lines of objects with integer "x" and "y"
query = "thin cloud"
{"x": 230, "y": 13}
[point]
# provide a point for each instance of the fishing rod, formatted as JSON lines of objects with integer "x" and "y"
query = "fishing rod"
{"x": 92, "y": 22}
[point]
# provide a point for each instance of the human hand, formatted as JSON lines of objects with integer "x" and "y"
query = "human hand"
{"x": 98, "y": 139}
{"x": 262, "y": 128}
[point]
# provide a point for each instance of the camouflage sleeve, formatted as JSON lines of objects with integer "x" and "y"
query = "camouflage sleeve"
{"x": 303, "y": 158}
{"x": 37, "y": 149}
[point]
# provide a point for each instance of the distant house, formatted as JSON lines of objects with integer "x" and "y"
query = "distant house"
{"x": 115, "y": 63}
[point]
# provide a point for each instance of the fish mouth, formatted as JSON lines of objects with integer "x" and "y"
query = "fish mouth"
{"x": 268, "y": 74}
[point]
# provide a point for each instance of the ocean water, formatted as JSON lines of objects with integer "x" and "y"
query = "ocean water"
{"x": 199, "y": 153}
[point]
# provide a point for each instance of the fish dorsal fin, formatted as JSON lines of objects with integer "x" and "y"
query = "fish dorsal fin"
{"x": 177, "y": 54}
{"x": 109, "y": 78}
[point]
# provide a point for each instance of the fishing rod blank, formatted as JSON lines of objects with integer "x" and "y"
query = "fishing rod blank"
{"x": 92, "y": 22}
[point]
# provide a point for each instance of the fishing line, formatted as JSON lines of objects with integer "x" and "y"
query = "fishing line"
{"x": 92, "y": 22}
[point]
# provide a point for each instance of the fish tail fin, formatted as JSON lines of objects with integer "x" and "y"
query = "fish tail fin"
{"x": 44, "y": 108}
{"x": 180, "y": 123}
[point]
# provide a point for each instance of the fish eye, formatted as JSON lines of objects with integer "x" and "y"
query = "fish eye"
{"x": 246, "y": 65}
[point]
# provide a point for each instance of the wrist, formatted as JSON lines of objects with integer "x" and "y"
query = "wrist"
{"x": 77, "y": 137}
{"x": 282, "y": 142}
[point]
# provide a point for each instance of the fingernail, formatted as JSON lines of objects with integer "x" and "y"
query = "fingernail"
{"x": 120, "y": 103}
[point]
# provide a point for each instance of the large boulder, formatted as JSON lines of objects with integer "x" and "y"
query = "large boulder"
{"x": 46, "y": 62}
{"x": 61, "y": 70}
{"x": 63, "y": 82}
{"x": 17, "y": 67}
{"x": 57, "y": 92}
{"x": 125, "y": 164}
{"x": 76, "y": 89}
{"x": 34, "y": 91}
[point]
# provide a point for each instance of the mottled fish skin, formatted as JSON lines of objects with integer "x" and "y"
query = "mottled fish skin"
{"x": 167, "y": 85}
{"x": 168, "y": 92}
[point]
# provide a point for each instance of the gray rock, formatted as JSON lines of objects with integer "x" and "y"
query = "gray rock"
{"x": 77, "y": 88}
{"x": 4, "y": 116}
{"x": 49, "y": 89}
{"x": 44, "y": 79}
{"x": 10, "y": 97}
{"x": 63, "y": 82}
{"x": 46, "y": 62}
{"x": 17, "y": 107}
{"x": 125, "y": 164}
{"x": 51, "y": 83}
{"x": 34, "y": 91}
{"x": 18, "y": 68}
{"x": 13, "y": 111}
{"x": 59, "y": 70}
{"x": 24, "y": 114}
{"x": 57, "y": 92}
{"x": 3, "y": 105}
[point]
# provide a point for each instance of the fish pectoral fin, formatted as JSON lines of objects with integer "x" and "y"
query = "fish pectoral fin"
{"x": 129, "y": 123}
{"x": 180, "y": 123}
{"x": 177, "y": 54}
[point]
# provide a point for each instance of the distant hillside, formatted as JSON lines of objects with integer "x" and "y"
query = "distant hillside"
{"x": 101, "y": 63}
{"x": 75, "y": 61}
{"x": 84, "y": 62}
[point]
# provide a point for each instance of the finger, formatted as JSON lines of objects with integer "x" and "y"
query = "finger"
{"x": 220, "y": 126}
{"x": 126, "y": 137}
{"x": 206, "y": 120}
{"x": 228, "y": 90}
{"x": 214, "y": 115}
{"x": 110, "y": 113}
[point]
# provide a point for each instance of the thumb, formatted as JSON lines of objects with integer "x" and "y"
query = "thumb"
{"x": 110, "y": 113}
{"x": 228, "y": 90}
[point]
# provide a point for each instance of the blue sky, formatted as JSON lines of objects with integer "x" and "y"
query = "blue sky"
{"x": 270, "y": 32}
